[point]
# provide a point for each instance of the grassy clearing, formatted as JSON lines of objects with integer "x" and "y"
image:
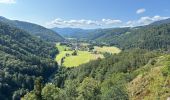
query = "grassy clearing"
{"x": 61, "y": 55}
{"x": 62, "y": 48}
{"x": 81, "y": 58}
{"x": 105, "y": 49}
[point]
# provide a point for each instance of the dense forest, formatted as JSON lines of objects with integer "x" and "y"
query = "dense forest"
{"x": 102, "y": 79}
{"x": 148, "y": 37}
{"x": 23, "y": 58}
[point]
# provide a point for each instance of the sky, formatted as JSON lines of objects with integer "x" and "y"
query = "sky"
{"x": 87, "y": 14}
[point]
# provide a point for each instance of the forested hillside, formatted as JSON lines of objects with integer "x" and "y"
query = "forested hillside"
{"x": 34, "y": 29}
{"x": 102, "y": 79}
{"x": 109, "y": 36}
{"x": 23, "y": 58}
{"x": 166, "y": 21}
{"x": 146, "y": 37}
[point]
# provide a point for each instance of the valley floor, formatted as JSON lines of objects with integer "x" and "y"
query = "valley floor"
{"x": 65, "y": 57}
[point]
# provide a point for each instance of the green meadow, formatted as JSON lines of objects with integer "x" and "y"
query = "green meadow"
{"x": 82, "y": 56}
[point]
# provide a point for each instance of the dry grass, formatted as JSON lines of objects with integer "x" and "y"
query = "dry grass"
{"x": 105, "y": 49}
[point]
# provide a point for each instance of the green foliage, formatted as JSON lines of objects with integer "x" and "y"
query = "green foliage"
{"x": 166, "y": 69}
{"x": 89, "y": 89}
{"x": 18, "y": 94}
{"x": 51, "y": 92}
{"x": 38, "y": 88}
{"x": 74, "y": 53}
{"x": 70, "y": 88}
{"x": 114, "y": 88}
{"x": 147, "y": 37}
{"x": 103, "y": 78}
{"x": 22, "y": 59}
{"x": 30, "y": 96}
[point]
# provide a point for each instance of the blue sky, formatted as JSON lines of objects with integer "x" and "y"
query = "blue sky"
{"x": 86, "y": 13}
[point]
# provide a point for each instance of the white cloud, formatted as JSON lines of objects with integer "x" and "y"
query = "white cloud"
{"x": 103, "y": 23}
{"x": 144, "y": 21}
{"x": 147, "y": 20}
{"x": 130, "y": 24}
{"x": 83, "y": 23}
{"x": 61, "y": 22}
{"x": 110, "y": 21}
{"x": 140, "y": 11}
{"x": 8, "y": 1}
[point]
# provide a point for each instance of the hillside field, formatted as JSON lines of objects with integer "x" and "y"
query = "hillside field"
{"x": 107, "y": 49}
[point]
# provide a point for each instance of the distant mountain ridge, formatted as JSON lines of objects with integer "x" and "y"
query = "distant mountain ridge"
{"x": 166, "y": 21}
{"x": 89, "y": 34}
{"x": 34, "y": 29}
{"x": 72, "y": 32}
